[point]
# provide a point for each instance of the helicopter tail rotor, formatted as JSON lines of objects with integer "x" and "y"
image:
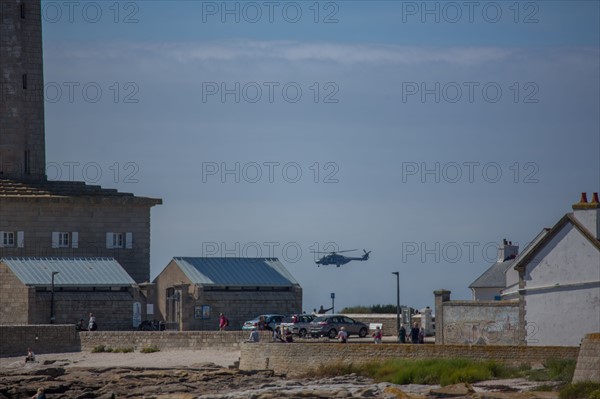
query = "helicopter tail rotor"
{"x": 366, "y": 255}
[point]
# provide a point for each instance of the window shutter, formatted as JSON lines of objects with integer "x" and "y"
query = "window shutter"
{"x": 55, "y": 235}
{"x": 74, "y": 239}
{"x": 109, "y": 240}
{"x": 128, "y": 240}
{"x": 20, "y": 239}
{"x": 1, "y": 239}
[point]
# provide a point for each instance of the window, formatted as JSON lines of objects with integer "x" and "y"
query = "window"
{"x": 25, "y": 81}
{"x": 119, "y": 240}
{"x": 8, "y": 239}
{"x": 63, "y": 240}
{"x": 22, "y": 10}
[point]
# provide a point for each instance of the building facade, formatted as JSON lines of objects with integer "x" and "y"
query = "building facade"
{"x": 192, "y": 292}
{"x": 65, "y": 290}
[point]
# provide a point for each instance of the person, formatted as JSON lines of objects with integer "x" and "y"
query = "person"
{"x": 414, "y": 333}
{"x": 92, "y": 326}
{"x": 288, "y": 336}
{"x": 254, "y": 336}
{"x": 30, "y": 356}
{"x": 323, "y": 311}
{"x": 377, "y": 335}
{"x": 402, "y": 334}
{"x": 41, "y": 394}
{"x": 421, "y": 335}
{"x": 277, "y": 335}
{"x": 262, "y": 325}
{"x": 80, "y": 326}
{"x": 223, "y": 322}
{"x": 342, "y": 336}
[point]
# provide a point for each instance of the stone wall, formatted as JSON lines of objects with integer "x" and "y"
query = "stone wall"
{"x": 14, "y": 340}
{"x": 388, "y": 321}
{"x": 277, "y": 357}
{"x": 164, "y": 340}
{"x": 476, "y": 322}
{"x": 588, "y": 362}
{"x": 14, "y": 298}
{"x": 40, "y": 217}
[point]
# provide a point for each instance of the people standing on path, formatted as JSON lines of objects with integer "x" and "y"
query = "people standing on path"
{"x": 414, "y": 334}
{"x": 402, "y": 334}
{"x": 41, "y": 394}
{"x": 223, "y": 322}
{"x": 92, "y": 326}
{"x": 323, "y": 311}
{"x": 421, "y": 335}
{"x": 377, "y": 335}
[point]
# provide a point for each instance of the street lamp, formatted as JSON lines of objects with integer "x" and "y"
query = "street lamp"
{"x": 397, "y": 301}
{"x": 52, "y": 299}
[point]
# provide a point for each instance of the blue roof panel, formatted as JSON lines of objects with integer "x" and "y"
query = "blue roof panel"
{"x": 78, "y": 272}
{"x": 257, "y": 272}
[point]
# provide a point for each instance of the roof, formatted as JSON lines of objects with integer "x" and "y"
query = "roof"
{"x": 542, "y": 240}
{"x": 66, "y": 191}
{"x": 232, "y": 272}
{"x": 494, "y": 277}
{"x": 80, "y": 272}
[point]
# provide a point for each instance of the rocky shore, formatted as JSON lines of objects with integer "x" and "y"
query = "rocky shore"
{"x": 72, "y": 377}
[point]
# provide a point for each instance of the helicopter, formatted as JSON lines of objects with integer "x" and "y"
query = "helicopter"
{"x": 333, "y": 258}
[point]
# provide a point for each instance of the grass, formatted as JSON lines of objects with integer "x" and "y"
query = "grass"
{"x": 107, "y": 349}
{"x": 580, "y": 390}
{"x": 150, "y": 349}
{"x": 448, "y": 371}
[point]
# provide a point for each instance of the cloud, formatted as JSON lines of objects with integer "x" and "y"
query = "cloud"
{"x": 292, "y": 51}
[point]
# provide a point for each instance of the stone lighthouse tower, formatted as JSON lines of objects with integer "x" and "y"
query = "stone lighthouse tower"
{"x": 22, "y": 147}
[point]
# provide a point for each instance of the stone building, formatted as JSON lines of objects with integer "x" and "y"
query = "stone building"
{"x": 191, "y": 292}
{"x": 551, "y": 292}
{"x": 65, "y": 290}
{"x": 41, "y": 218}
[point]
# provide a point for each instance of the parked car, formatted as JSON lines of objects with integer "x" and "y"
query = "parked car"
{"x": 301, "y": 326}
{"x": 329, "y": 325}
{"x": 270, "y": 320}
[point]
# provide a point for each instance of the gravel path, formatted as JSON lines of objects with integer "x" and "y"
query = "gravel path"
{"x": 166, "y": 359}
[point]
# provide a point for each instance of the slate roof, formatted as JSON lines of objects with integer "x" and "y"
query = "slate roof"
{"x": 494, "y": 277}
{"x": 73, "y": 272}
{"x": 236, "y": 272}
{"x": 11, "y": 189}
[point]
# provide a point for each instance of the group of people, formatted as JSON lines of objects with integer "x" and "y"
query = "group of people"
{"x": 416, "y": 335}
{"x": 91, "y": 325}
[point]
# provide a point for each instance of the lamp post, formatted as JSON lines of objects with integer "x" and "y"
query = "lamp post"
{"x": 52, "y": 299}
{"x": 397, "y": 301}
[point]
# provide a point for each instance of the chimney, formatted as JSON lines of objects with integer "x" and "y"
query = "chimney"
{"x": 507, "y": 251}
{"x": 588, "y": 213}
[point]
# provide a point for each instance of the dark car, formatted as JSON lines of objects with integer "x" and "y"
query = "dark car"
{"x": 329, "y": 325}
{"x": 301, "y": 326}
{"x": 271, "y": 320}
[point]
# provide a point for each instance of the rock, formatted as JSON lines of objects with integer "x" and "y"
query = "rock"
{"x": 452, "y": 391}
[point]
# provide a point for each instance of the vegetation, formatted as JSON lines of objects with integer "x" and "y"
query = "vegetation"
{"x": 448, "y": 371}
{"x": 106, "y": 349}
{"x": 370, "y": 309}
{"x": 150, "y": 349}
{"x": 580, "y": 390}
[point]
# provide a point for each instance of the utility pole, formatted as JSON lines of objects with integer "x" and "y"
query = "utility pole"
{"x": 52, "y": 299}
{"x": 397, "y": 302}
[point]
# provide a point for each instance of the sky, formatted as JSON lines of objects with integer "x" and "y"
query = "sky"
{"x": 425, "y": 132}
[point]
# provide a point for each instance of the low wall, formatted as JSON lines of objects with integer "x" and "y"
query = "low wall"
{"x": 298, "y": 358}
{"x": 164, "y": 340}
{"x": 588, "y": 362}
{"x": 41, "y": 338}
{"x": 388, "y": 321}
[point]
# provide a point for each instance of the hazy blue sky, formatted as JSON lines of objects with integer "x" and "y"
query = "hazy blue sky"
{"x": 425, "y": 132}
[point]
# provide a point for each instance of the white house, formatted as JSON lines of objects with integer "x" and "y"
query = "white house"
{"x": 489, "y": 286}
{"x": 557, "y": 279}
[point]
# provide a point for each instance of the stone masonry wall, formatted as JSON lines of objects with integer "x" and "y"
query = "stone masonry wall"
{"x": 14, "y": 297}
{"x": 38, "y": 219}
{"x": 14, "y": 340}
{"x": 165, "y": 340}
{"x": 588, "y": 362}
{"x": 274, "y": 356}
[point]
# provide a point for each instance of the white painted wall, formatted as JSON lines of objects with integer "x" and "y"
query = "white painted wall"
{"x": 485, "y": 294}
{"x": 590, "y": 218}
{"x": 563, "y": 290}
